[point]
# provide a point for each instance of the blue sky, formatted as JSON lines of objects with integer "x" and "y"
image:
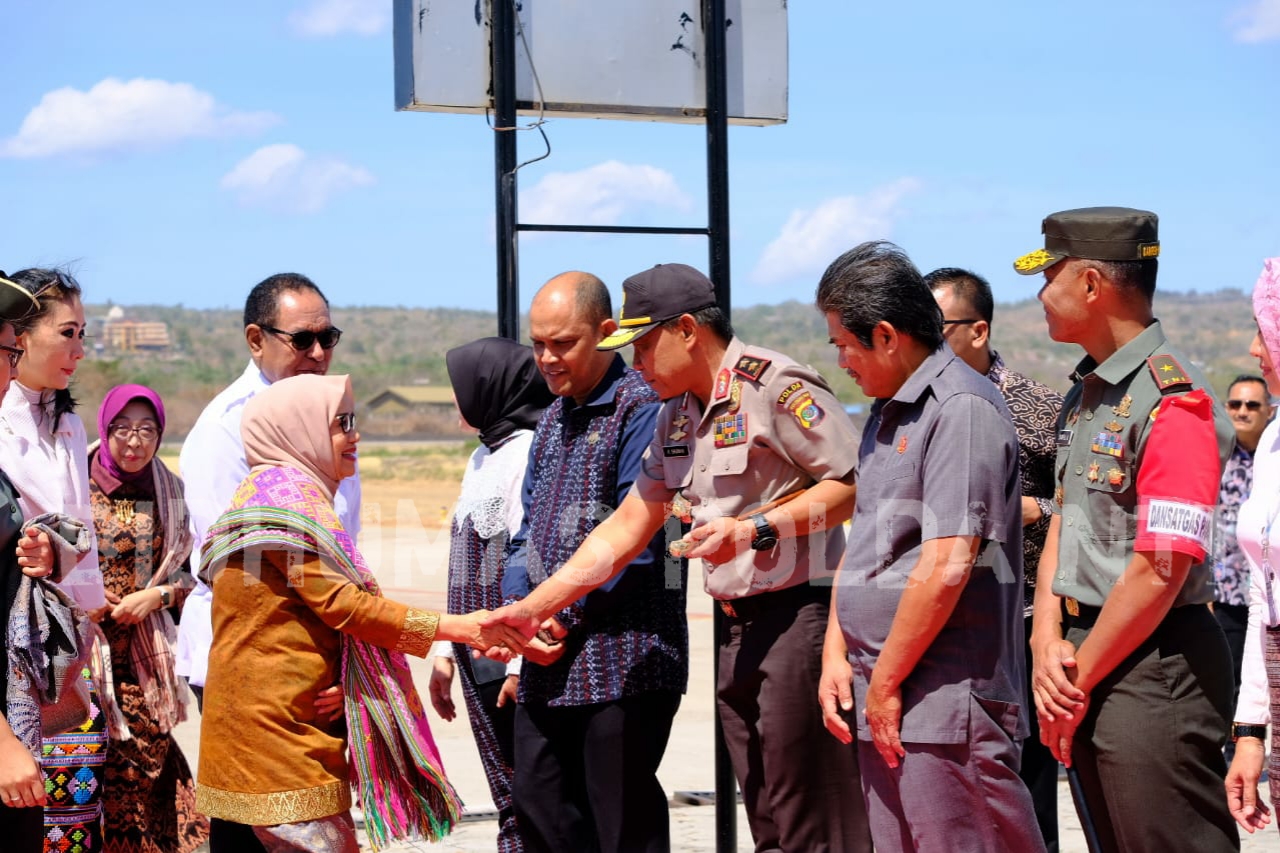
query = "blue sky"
{"x": 181, "y": 152}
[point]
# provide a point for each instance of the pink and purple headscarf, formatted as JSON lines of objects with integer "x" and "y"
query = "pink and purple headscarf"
{"x": 1266, "y": 307}
{"x": 112, "y": 404}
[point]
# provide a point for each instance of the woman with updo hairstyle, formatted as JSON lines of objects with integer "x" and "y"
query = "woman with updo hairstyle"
{"x": 43, "y": 450}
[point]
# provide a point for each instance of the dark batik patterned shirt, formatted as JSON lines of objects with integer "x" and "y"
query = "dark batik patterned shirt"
{"x": 1230, "y": 568}
{"x": 631, "y": 635}
{"x": 1035, "y": 409}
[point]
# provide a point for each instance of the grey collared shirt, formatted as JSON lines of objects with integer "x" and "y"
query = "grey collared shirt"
{"x": 940, "y": 459}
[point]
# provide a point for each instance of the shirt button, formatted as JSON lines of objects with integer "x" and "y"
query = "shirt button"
{"x": 1062, "y": 576}
{"x": 1088, "y": 416}
{"x": 1079, "y": 469}
{"x": 702, "y": 468}
{"x": 1070, "y": 522}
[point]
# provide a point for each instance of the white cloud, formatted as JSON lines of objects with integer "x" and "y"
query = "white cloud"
{"x": 327, "y": 18}
{"x": 119, "y": 115}
{"x": 285, "y": 178}
{"x": 1258, "y": 21}
{"x": 811, "y": 239}
{"x": 601, "y": 195}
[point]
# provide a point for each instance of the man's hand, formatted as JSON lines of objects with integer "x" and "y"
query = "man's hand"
{"x": 1243, "y": 801}
{"x": 884, "y": 717}
{"x": 136, "y": 606}
{"x": 510, "y": 690}
{"x": 1059, "y": 733}
{"x": 835, "y": 694}
{"x": 547, "y": 646}
{"x": 35, "y": 553}
{"x": 330, "y": 703}
{"x": 720, "y": 540}
{"x": 486, "y": 631}
{"x": 1052, "y": 686}
{"x": 21, "y": 782}
{"x": 517, "y": 616}
{"x": 440, "y": 688}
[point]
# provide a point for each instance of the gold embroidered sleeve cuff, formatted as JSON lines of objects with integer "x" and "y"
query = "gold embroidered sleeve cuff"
{"x": 418, "y": 632}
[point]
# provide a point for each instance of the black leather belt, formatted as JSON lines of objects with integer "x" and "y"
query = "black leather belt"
{"x": 791, "y": 599}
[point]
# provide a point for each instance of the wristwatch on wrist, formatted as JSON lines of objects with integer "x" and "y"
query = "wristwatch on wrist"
{"x": 1239, "y": 730}
{"x": 766, "y": 537}
{"x": 166, "y": 596}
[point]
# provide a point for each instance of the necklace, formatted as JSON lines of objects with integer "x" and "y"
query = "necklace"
{"x": 125, "y": 511}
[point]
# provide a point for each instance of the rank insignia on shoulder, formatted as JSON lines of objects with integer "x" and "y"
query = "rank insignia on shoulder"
{"x": 805, "y": 409}
{"x": 1168, "y": 374}
{"x": 751, "y": 366}
{"x": 722, "y": 384}
{"x": 1108, "y": 443}
{"x": 730, "y": 429}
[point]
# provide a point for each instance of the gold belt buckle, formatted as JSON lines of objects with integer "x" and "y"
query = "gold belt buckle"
{"x": 1073, "y": 607}
{"x": 727, "y": 609}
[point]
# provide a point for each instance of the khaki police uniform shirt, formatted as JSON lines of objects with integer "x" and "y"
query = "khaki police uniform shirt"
{"x": 772, "y": 428}
{"x": 1106, "y": 420}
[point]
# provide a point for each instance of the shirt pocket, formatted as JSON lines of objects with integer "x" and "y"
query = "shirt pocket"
{"x": 729, "y": 461}
{"x": 1111, "y": 499}
{"x": 677, "y": 471}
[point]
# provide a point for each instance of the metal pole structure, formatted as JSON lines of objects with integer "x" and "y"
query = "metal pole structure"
{"x": 503, "y": 65}
{"x": 713, "y": 20}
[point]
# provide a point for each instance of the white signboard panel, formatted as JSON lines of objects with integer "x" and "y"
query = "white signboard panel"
{"x": 594, "y": 58}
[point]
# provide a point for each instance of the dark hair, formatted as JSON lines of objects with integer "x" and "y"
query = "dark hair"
{"x": 713, "y": 318}
{"x": 263, "y": 302}
{"x": 969, "y": 286}
{"x": 591, "y": 299}
{"x": 48, "y": 285}
{"x": 876, "y": 281}
{"x": 1137, "y": 276}
{"x": 1250, "y": 377}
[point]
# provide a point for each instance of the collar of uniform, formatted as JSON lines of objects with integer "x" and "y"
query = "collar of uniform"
{"x": 1125, "y": 360}
{"x": 606, "y": 389}
{"x": 922, "y": 379}
{"x": 732, "y": 354}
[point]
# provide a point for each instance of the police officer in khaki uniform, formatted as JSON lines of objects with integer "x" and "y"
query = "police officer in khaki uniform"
{"x": 1132, "y": 676}
{"x": 754, "y": 450}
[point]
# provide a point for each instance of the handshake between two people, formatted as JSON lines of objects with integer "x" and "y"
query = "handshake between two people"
{"x": 506, "y": 632}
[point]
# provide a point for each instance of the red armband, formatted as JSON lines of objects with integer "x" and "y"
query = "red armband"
{"x": 1179, "y": 478}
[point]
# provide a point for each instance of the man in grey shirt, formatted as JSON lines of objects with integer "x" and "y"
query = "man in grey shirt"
{"x": 926, "y": 622}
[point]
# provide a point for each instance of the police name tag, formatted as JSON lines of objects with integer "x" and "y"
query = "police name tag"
{"x": 1186, "y": 521}
{"x": 673, "y": 451}
{"x": 1064, "y": 437}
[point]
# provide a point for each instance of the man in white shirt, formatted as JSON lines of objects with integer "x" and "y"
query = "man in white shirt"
{"x": 288, "y": 330}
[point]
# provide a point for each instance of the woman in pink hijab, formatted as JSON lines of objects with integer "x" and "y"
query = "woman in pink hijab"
{"x": 296, "y": 610}
{"x": 1256, "y": 529}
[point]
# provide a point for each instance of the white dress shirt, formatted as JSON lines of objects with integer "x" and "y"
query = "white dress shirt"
{"x": 50, "y": 472}
{"x": 212, "y": 466}
{"x": 1257, "y": 516}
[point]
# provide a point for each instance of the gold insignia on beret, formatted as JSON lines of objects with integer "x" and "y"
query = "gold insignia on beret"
{"x": 1031, "y": 260}
{"x": 1149, "y": 250}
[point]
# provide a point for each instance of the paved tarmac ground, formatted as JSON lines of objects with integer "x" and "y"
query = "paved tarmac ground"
{"x": 688, "y": 762}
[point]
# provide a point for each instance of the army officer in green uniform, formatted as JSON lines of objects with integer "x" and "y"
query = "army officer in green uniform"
{"x": 1132, "y": 675}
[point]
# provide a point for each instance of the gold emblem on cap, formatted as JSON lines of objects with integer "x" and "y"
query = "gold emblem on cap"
{"x": 1031, "y": 260}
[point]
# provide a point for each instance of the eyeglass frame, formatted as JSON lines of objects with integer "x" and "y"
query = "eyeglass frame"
{"x": 15, "y": 354}
{"x": 346, "y": 421}
{"x": 967, "y": 322}
{"x": 314, "y": 337}
{"x": 1250, "y": 405}
{"x": 130, "y": 430}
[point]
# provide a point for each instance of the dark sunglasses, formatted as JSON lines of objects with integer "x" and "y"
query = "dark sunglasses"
{"x": 1251, "y": 405}
{"x": 60, "y": 279}
{"x": 304, "y": 340}
{"x": 346, "y": 421}
{"x": 959, "y": 322}
{"x": 14, "y": 354}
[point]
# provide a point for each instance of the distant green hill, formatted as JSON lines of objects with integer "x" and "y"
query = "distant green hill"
{"x": 403, "y": 346}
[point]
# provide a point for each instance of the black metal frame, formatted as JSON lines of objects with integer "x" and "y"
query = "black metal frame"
{"x": 503, "y": 67}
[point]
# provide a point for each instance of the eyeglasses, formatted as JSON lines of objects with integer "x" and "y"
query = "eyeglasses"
{"x": 306, "y": 339}
{"x": 145, "y": 433}
{"x": 346, "y": 421}
{"x": 959, "y": 322}
{"x": 1251, "y": 405}
{"x": 15, "y": 354}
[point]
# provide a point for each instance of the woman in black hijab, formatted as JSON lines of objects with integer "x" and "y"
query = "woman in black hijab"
{"x": 500, "y": 393}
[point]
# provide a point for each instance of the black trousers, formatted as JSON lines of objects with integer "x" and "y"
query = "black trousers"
{"x": 800, "y": 786}
{"x": 228, "y": 837}
{"x": 1149, "y": 749}
{"x": 1039, "y": 768}
{"x": 22, "y": 829}
{"x": 586, "y": 777}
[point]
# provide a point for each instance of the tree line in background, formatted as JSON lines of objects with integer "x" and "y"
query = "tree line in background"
{"x": 383, "y": 347}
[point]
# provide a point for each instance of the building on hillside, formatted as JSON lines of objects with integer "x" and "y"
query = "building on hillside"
{"x": 136, "y": 335}
{"x": 402, "y": 399}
